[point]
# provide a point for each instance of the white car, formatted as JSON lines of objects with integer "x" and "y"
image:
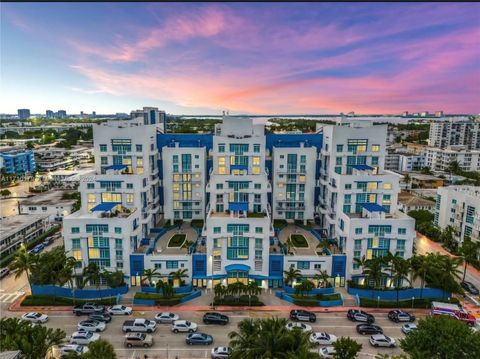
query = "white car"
{"x": 183, "y": 326}
{"x": 91, "y": 326}
{"x": 322, "y": 338}
{"x": 380, "y": 340}
{"x": 302, "y": 326}
{"x": 73, "y": 348}
{"x": 221, "y": 352}
{"x": 327, "y": 352}
{"x": 84, "y": 338}
{"x": 119, "y": 310}
{"x": 408, "y": 328}
{"x": 35, "y": 317}
{"x": 166, "y": 317}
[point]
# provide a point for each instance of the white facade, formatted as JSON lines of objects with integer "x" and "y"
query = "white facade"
{"x": 459, "y": 207}
{"x": 456, "y": 132}
{"x": 438, "y": 159}
{"x": 409, "y": 162}
{"x": 49, "y": 203}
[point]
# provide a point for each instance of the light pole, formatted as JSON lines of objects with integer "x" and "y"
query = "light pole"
{"x": 413, "y": 301}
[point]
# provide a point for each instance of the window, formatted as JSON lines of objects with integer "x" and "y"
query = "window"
{"x": 104, "y": 161}
{"x": 303, "y": 265}
{"x": 75, "y": 230}
{"x": 401, "y": 244}
{"x": 317, "y": 266}
{"x": 221, "y": 148}
{"x": 138, "y": 148}
{"x": 348, "y": 186}
{"x": 347, "y": 198}
{"x": 217, "y": 229}
{"x": 303, "y": 159}
{"x": 339, "y": 148}
{"x": 387, "y": 186}
{"x": 375, "y": 148}
{"x": 118, "y": 230}
{"x": 258, "y": 186}
{"x": 129, "y": 198}
{"x": 219, "y": 185}
{"x": 358, "y": 244}
{"x": 358, "y": 230}
{"x": 172, "y": 264}
{"x": 374, "y": 161}
{"x": 338, "y": 160}
{"x": 103, "y": 148}
{"x": 129, "y": 185}
{"x": 158, "y": 265}
{"x": 258, "y": 229}
{"x": 91, "y": 198}
{"x": 338, "y": 170}
{"x": 90, "y": 185}
{"x": 256, "y": 148}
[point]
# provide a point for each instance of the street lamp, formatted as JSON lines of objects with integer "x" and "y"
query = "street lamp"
{"x": 413, "y": 300}
{"x": 378, "y": 301}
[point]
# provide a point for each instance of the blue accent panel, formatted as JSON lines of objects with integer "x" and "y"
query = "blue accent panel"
{"x": 52, "y": 290}
{"x": 184, "y": 140}
{"x": 115, "y": 167}
{"x": 199, "y": 265}
{"x": 237, "y": 266}
{"x": 316, "y": 200}
{"x": 339, "y": 264}
{"x": 403, "y": 294}
{"x": 137, "y": 264}
{"x": 275, "y": 266}
{"x": 238, "y": 167}
{"x": 103, "y": 207}
{"x": 362, "y": 167}
{"x": 215, "y": 276}
{"x": 269, "y": 167}
{"x": 373, "y": 207}
{"x": 290, "y": 140}
{"x": 152, "y": 117}
{"x": 238, "y": 206}
{"x": 209, "y": 167}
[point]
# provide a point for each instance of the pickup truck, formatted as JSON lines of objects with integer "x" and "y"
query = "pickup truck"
{"x": 88, "y": 308}
{"x": 139, "y": 325}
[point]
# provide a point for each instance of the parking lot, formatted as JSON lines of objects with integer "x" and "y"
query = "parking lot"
{"x": 170, "y": 345}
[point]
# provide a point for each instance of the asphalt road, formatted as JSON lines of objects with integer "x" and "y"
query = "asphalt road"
{"x": 170, "y": 345}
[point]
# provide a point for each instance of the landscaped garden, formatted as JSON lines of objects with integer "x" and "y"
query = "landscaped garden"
{"x": 177, "y": 240}
{"x": 237, "y": 294}
{"x": 298, "y": 241}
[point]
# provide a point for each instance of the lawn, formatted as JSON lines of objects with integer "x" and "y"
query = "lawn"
{"x": 177, "y": 240}
{"x": 299, "y": 241}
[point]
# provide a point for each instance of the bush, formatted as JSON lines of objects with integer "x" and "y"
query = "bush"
{"x": 197, "y": 223}
{"x": 306, "y": 302}
{"x": 159, "y": 298}
{"x": 327, "y": 297}
{"x": 242, "y": 301}
{"x": 299, "y": 241}
{"x": 417, "y": 303}
{"x": 46, "y": 300}
{"x": 279, "y": 223}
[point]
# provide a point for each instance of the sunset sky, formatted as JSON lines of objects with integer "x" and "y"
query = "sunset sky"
{"x": 255, "y": 58}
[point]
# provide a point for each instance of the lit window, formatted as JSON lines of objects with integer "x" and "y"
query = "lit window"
{"x": 371, "y": 186}
{"x": 387, "y": 186}
{"x": 369, "y": 254}
{"x": 91, "y": 198}
{"x": 140, "y": 161}
{"x": 129, "y": 198}
{"x": 361, "y": 148}
{"x": 77, "y": 254}
{"x": 93, "y": 253}
{"x": 372, "y": 198}
{"x": 221, "y": 161}
{"x": 375, "y": 148}
{"x": 256, "y": 170}
{"x": 222, "y": 170}
{"x": 301, "y": 178}
{"x": 176, "y": 178}
{"x": 256, "y": 161}
{"x": 139, "y": 170}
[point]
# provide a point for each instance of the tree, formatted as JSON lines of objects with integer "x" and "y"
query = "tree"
{"x": 114, "y": 279}
{"x": 291, "y": 275}
{"x": 92, "y": 274}
{"x": 400, "y": 270}
{"x": 442, "y": 337}
{"x": 179, "y": 275}
{"x": 454, "y": 168}
{"x": 5, "y": 192}
{"x": 421, "y": 265}
{"x": 322, "y": 277}
{"x": 373, "y": 271}
{"x": 469, "y": 251}
{"x": 219, "y": 290}
{"x": 407, "y": 179}
{"x": 304, "y": 287}
{"x": 24, "y": 262}
{"x": 148, "y": 275}
{"x": 426, "y": 171}
{"x": 32, "y": 341}
{"x": 446, "y": 237}
{"x": 100, "y": 349}
{"x": 346, "y": 348}
{"x": 252, "y": 288}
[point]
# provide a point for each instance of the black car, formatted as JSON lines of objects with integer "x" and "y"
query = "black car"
{"x": 369, "y": 329}
{"x": 400, "y": 316}
{"x": 101, "y": 317}
{"x": 302, "y": 316}
{"x": 360, "y": 316}
{"x": 215, "y": 318}
{"x": 470, "y": 288}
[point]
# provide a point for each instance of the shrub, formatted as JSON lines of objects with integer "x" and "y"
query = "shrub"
{"x": 279, "y": 223}
{"x": 197, "y": 223}
{"x": 243, "y": 301}
{"x": 41, "y": 300}
{"x": 299, "y": 241}
{"x": 327, "y": 297}
{"x": 159, "y": 299}
{"x": 306, "y": 302}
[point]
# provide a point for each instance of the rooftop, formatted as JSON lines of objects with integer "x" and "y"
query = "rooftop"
{"x": 11, "y": 225}
{"x": 468, "y": 190}
{"x": 423, "y": 177}
{"x": 47, "y": 198}
{"x": 312, "y": 248}
{"x": 409, "y": 199}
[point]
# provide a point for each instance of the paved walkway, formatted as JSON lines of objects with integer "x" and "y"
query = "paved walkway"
{"x": 290, "y": 229}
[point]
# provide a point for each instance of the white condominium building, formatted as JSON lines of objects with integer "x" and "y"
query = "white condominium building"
{"x": 438, "y": 159}
{"x": 459, "y": 207}
{"x": 455, "y": 132}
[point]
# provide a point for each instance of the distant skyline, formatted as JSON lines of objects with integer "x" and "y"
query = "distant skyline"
{"x": 252, "y": 58}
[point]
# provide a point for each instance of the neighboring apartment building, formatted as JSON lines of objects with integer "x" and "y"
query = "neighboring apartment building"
{"x": 410, "y": 162}
{"x": 18, "y": 162}
{"x": 51, "y": 203}
{"x": 237, "y": 180}
{"x": 438, "y": 159}
{"x": 459, "y": 207}
{"x": 20, "y": 229}
{"x": 459, "y": 132}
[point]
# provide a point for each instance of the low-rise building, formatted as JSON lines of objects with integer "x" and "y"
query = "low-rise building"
{"x": 408, "y": 202}
{"x": 18, "y": 162}
{"x": 421, "y": 180}
{"x": 438, "y": 159}
{"x": 51, "y": 203}
{"x": 20, "y": 229}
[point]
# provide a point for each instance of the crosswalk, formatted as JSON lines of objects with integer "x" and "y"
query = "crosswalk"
{"x": 6, "y": 297}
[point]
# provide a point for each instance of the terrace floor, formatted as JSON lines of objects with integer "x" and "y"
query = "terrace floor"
{"x": 161, "y": 246}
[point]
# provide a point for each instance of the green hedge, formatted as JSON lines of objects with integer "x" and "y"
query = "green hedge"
{"x": 306, "y": 302}
{"x": 424, "y": 303}
{"x": 242, "y": 301}
{"x": 159, "y": 299}
{"x": 197, "y": 223}
{"x": 46, "y": 300}
{"x": 326, "y": 297}
{"x": 279, "y": 223}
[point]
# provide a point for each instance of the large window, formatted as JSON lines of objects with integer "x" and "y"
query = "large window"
{"x": 237, "y": 247}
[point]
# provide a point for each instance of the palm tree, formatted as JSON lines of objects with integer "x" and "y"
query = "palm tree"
{"x": 100, "y": 349}
{"x": 407, "y": 179}
{"x": 291, "y": 274}
{"x": 92, "y": 274}
{"x": 469, "y": 251}
{"x": 159, "y": 286}
{"x": 448, "y": 270}
{"x": 243, "y": 341}
{"x": 179, "y": 275}
{"x": 361, "y": 262}
{"x": 219, "y": 290}
{"x": 421, "y": 265}
{"x": 168, "y": 290}
{"x": 323, "y": 277}
{"x": 454, "y": 168}
{"x": 304, "y": 287}
{"x": 400, "y": 270}
{"x": 148, "y": 275}
{"x": 24, "y": 262}
{"x": 373, "y": 271}
{"x": 253, "y": 288}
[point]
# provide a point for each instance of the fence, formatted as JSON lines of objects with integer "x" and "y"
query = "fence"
{"x": 403, "y": 294}
{"x": 54, "y": 291}
{"x": 330, "y": 290}
{"x": 191, "y": 296}
{"x": 320, "y": 303}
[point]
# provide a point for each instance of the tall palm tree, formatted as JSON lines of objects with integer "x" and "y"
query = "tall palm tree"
{"x": 421, "y": 265}
{"x": 322, "y": 276}
{"x": 179, "y": 275}
{"x": 244, "y": 340}
{"x": 253, "y": 288}
{"x": 219, "y": 290}
{"x": 469, "y": 251}
{"x": 373, "y": 271}
{"x": 304, "y": 287}
{"x": 400, "y": 270}
{"x": 92, "y": 274}
{"x": 24, "y": 262}
{"x": 148, "y": 275}
{"x": 291, "y": 274}
{"x": 448, "y": 270}
{"x": 361, "y": 262}
{"x": 407, "y": 179}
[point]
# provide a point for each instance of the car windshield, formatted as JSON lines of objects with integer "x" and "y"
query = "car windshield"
{"x": 171, "y": 315}
{"x": 188, "y": 323}
{"x": 37, "y": 315}
{"x": 327, "y": 336}
{"x": 88, "y": 335}
{"x": 147, "y": 322}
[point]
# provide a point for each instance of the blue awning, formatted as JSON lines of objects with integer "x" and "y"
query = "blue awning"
{"x": 373, "y": 207}
{"x": 237, "y": 266}
{"x": 115, "y": 167}
{"x": 238, "y": 206}
{"x": 215, "y": 276}
{"x": 362, "y": 167}
{"x": 238, "y": 167}
{"x": 258, "y": 277}
{"x": 103, "y": 207}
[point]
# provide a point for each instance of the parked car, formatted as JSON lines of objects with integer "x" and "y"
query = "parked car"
{"x": 166, "y": 317}
{"x": 215, "y": 318}
{"x": 400, "y": 316}
{"x": 47, "y": 241}
{"x": 83, "y": 338}
{"x": 4, "y": 272}
{"x": 302, "y": 326}
{"x": 91, "y": 326}
{"x": 88, "y": 308}
{"x": 119, "y": 310}
{"x": 184, "y": 326}
{"x": 469, "y": 287}
{"x": 199, "y": 338}
{"x": 380, "y": 340}
{"x": 139, "y": 325}
{"x": 369, "y": 329}
{"x": 327, "y": 352}
{"x": 356, "y": 315}
{"x": 221, "y": 352}
{"x": 73, "y": 348}
{"x": 101, "y": 317}
{"x": 302, "y": 315}
{"x": 408, "y": 328}
{"x": 322, "y": 338}
{"x": 35, "y": 317}
{"x": 138, "y": 340}
{"x": 37, "y": 249}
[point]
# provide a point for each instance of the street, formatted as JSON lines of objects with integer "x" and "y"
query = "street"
{"x": 170, "y": 345}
